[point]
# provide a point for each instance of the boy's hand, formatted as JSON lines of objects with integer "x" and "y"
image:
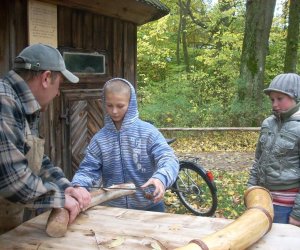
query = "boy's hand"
{"x": 159, "y": 191}
{"x": 294, "y": 222}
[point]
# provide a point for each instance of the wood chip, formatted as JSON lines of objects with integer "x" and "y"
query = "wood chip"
{"x": 116, "y": 242}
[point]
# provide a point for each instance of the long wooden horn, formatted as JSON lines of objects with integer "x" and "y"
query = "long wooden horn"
{"x": 58, "y": 219}
{"x": 252, "y": 225}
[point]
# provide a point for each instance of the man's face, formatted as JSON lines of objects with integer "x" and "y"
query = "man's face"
{"x": 51, "y": 90}
{"x": 281, "y": 102}
{"x": 116, "y": 106}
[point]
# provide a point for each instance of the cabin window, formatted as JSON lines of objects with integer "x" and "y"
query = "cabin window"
{"x": 85, "y": 63}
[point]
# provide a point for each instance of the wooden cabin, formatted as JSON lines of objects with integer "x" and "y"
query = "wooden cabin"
{"x": 98, "y": 35}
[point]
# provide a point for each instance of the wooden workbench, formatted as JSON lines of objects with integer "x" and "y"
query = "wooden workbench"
{"x": 116, "y": 228}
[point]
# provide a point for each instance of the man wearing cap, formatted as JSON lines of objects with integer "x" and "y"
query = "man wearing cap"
{"x": 277, "y": 156}
{"x": 28, "y": 179}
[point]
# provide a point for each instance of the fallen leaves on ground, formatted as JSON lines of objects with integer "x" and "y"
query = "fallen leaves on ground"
{"x": 230, "y": 192}
{"x": 212, "y": 141}
{"x": 229, "y": 155}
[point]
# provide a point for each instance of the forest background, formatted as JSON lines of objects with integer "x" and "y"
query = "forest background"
{"x": 191, "y": 69}
{"x": 205, "y": 65}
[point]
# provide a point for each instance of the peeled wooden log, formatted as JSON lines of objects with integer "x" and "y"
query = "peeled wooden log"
{"x": 58, "y": 219}
{"x": 253, "y": 224}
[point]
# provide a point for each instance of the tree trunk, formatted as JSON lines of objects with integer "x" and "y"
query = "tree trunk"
{"x": 179, "y": 33}
{"x": 259, "y": 15}
{"x": 290, "y": 64}
{"x": 184, "y": 39}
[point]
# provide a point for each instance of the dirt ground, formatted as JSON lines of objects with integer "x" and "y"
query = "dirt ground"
{"x": 233, "y": 161}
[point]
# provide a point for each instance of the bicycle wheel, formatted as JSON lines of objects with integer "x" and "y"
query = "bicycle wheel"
{"x": 195, "y": 190}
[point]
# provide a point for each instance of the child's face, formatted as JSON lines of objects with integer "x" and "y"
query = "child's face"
{"x": 281, "y": 102}
{"x": 116, "y": 106}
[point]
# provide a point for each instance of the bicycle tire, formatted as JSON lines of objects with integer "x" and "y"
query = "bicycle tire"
{"x": 195, "y": 190}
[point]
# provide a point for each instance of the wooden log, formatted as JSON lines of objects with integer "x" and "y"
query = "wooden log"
{"x": 58, "y": 219}
{"x": 253, "y": 224}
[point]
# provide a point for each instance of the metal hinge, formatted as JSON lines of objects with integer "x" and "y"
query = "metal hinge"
{"x": 66, "y": 116}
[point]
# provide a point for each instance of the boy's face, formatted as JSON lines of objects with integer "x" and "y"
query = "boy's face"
{"x": 116, "y": 106}
{"x": 281, "y": 102}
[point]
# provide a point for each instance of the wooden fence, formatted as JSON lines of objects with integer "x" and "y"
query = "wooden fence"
{"x": 213, "y": 138}
{"x": 213, "y": 129}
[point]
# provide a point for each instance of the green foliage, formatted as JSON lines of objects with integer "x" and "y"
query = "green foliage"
{"x": 188, "y": 100}
{"x": 208, "y": 94}
{"x": 166, "y": 111}
{"x": 244, "y": 110}
{"x": 154, "y": 49}
{"x": 277, "y": 45}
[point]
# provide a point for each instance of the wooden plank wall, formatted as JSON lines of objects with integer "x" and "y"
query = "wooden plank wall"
{"x": 84, "y": 30}
{"x": 13, "y": 32}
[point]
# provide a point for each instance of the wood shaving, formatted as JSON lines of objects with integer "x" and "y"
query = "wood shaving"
{"x": 155, "y": 246}
{"x": 116, "y": 242}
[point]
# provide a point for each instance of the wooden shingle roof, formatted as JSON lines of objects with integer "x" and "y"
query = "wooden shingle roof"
{"x": 163, "y": 10}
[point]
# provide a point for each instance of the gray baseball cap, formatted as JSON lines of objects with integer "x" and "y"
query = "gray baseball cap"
{"x": 43, "y": 57}
{"x": 288, "y": 83}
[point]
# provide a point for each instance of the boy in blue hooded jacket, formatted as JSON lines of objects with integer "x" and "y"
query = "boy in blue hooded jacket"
{"x": 128, "y": 149}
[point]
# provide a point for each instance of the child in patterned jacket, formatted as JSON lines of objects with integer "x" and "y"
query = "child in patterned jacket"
{"x": 128, "y": 149}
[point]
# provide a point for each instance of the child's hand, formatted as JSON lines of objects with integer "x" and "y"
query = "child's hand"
{"x": 294, "y": 222}
{"x": 159, "y": 191}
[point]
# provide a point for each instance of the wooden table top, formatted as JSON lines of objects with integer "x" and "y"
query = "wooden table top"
{"x": 115, "y": 228}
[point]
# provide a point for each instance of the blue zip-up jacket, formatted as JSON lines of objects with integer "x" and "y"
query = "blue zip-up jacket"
{"x": 135, "y": 153}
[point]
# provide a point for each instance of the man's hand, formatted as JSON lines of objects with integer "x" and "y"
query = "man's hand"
{"x": 72, "y": 206}
{"x": 159, "y": 191}
{"x": 82, "y": 196}
{"x": 294, "y": 222}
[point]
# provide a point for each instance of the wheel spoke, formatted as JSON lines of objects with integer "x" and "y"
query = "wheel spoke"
{"x": 197, "y": 193}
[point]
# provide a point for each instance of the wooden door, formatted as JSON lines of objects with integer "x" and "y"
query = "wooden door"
{"x": 82, "y": 115}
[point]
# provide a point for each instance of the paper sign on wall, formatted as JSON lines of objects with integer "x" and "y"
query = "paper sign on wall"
{"x": 42, "y": 23}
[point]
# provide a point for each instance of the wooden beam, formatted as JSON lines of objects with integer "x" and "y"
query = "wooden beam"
{"x": 134, "y": 11}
